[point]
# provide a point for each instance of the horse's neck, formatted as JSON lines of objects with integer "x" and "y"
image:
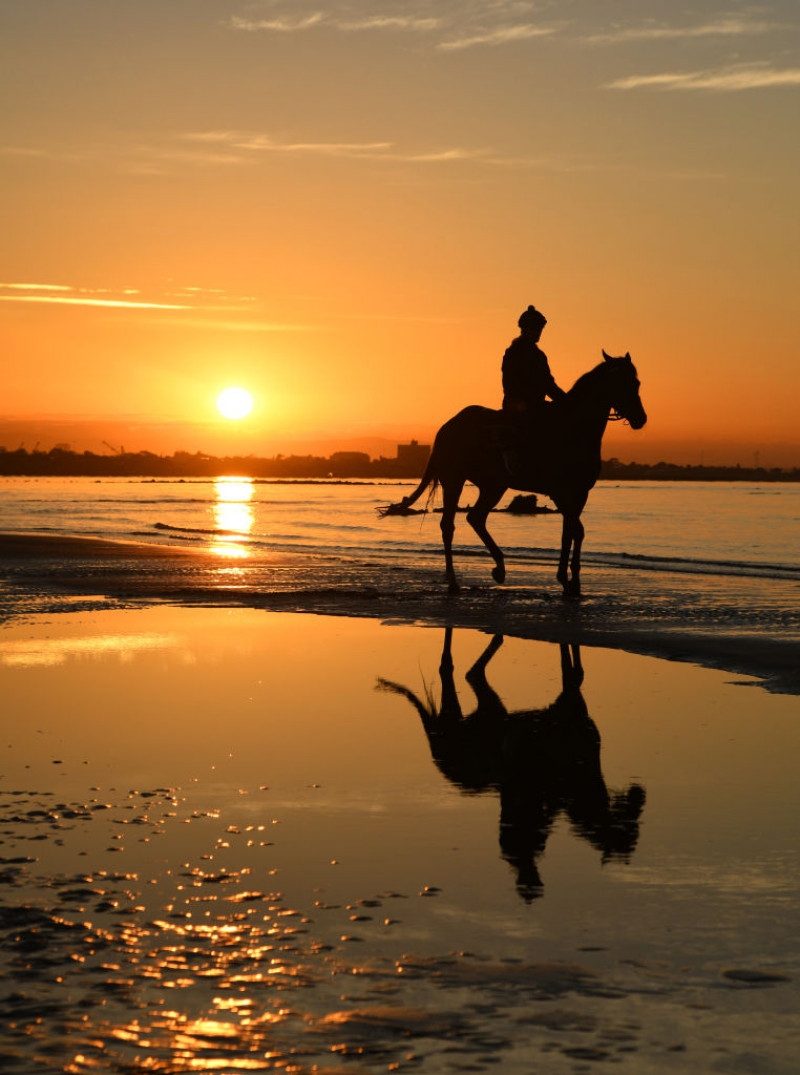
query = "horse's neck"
{"x": 589, "y": 407}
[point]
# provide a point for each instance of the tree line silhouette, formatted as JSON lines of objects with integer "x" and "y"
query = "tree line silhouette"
{"x": 63, "y": 462}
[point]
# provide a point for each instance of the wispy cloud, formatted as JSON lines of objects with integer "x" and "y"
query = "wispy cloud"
{"x": 727, "y": 27}
{"x": 467, "y": 25}
{"x": 391, "y": 153}
{"x": 263, "y": 143}
{"x": 78, "y": 301}
{"x": 737, "y": 77}
{"x": 114, "y": 298}
{"x": 503, "y": 35}
{"x": 132, "y": 159}
{"x": 35, "y": 287}
{"x": 391, "y": 22}
{"x": 294, "y": 24}
{"x": 279, "y": 25}
{"x": 387, "y": 151}
{"x": 201, "y": 309}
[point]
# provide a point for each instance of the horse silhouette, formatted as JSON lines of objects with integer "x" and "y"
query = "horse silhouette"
{"x": 543, "y": 762}
{"x": 559, "y": 456}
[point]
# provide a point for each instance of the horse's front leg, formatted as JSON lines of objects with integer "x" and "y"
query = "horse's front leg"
{"x": 575, "y": 564}
{"x": 450, "y": 495}
{"x": 476, "y": 517}
{"x": 566, "y": 545}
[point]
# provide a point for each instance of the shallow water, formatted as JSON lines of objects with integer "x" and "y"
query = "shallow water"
{"x": 707, "y": 528}
{"x": 230, "y": 843}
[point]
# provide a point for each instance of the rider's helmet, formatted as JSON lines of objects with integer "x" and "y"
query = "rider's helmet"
{"x": 532, "y": 319}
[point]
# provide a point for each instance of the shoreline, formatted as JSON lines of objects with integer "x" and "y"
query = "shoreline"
{"x": 750, "y": 627}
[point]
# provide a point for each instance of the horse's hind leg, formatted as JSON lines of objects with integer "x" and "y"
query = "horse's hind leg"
{"x": 566, "y": 545}
{"x": 451, "y": 491}
{"x": 575, "y": 564}
{"x": 476, "y": 517}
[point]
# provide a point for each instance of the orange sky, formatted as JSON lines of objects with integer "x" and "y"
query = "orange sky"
{"x": 344, "y": 206}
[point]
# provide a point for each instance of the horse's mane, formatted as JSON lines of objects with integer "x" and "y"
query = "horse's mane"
{"x": 586, "y": 380}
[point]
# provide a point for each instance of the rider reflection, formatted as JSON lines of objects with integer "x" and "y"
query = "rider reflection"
{"x": 543, "y": 762}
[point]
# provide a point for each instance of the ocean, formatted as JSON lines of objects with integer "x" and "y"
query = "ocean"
{"x": 745, "y": 529}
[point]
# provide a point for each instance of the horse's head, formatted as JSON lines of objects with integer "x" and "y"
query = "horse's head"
{"x": 623, "y": 384}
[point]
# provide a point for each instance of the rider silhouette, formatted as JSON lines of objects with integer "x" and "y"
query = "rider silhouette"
{"x": 527, "y": 379}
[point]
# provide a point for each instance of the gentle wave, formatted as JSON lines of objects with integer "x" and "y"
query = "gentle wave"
{"x": 213, "y": 530}
{"x": 398, "y": 549}
{"x": 740, "y": 568}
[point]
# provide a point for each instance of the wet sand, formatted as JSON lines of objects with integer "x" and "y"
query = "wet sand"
{"x": 228, "y": 845}
{"x": 742, "y": 625}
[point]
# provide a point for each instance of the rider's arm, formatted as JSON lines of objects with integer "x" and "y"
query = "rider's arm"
{"x": 551, "y": 389}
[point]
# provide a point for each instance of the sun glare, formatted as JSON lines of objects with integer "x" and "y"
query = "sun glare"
{"x": 234, "y": 403}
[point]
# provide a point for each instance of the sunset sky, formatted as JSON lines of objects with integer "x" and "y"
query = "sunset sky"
{"x": 344, "y": 205}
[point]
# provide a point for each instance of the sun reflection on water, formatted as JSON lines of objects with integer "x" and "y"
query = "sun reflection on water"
{"x": 233, "y": 516}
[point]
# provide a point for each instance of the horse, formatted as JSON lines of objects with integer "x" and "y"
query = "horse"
{"x": 544, "y": 763}
{"x": 559, "y": 457}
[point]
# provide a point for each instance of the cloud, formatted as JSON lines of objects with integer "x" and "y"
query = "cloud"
{"x": 58, "y": 300}
{"x": 36, "y": 287}
{"x": 729, "y": 27}
{"x": 280, "y": 25}
{"x": 294, "y": 24}
{"x": 501, "y": 36}
{"x": 391, "y": 153}
{"x": 441, "y": 155}
{"x": 112, "y": 297}
{"x": 469, "y": 24}
{"x": 738, "y": 77}
{"x": 391, "y": 22}
{"x": 262, "y": 143}
{"x": 132, "y": 159}
{"x": 194, "y": 313}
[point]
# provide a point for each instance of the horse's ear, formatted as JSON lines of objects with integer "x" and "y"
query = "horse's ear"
{"x": 607, "y": 357}
{"x": 628, "y": 356}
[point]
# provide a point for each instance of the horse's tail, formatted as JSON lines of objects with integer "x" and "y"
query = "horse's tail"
{"x": 403, "y": 507}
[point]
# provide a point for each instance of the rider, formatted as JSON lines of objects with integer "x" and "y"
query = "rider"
{"x": 527, "y": 379}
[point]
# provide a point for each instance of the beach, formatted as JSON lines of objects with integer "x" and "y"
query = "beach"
{"x": 244, "y": 827}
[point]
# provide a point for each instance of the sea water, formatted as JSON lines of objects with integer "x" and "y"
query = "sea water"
{"x": 720, "y": 528}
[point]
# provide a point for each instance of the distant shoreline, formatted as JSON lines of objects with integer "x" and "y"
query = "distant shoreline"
{"x": 62, "y": 463}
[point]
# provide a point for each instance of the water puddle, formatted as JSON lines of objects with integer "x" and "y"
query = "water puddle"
{"x": 246, "y": 841}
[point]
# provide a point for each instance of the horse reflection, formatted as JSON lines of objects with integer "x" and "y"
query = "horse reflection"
{"x": 544, "y": 762}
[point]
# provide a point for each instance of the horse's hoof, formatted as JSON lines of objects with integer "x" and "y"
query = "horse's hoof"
{"x": 572, "y": 589}
{"x": 499, "y": 573}
{"x": 453, "y": 587}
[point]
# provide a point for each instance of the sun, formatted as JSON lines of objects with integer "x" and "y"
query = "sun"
{"x": 234, "y": 403}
